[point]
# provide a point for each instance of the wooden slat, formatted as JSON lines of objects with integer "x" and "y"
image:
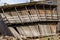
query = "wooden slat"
{"x": 33, "y": 11}
{"x": 13, "y": 18}
{"x": 53, "y": 29}
{"x": 16, "y": 18}
{"x": 45, "y": 29}
{"x": 41, "y": 29}
{"x": 20, "y": 30}
{"x": 15, "y": 33}
{"x": 8, "y": 13}
{"x": 25, "y": 18}
{"x": 14, "y": 13}
{"x": 49, "y": 29}
{"x": 27, "y": 31}
{"x": 54, "y": 14}
{"x": 49, "y": 12}
{"x": 24, "y": 12}
{"x": 37, "y": 29}
{"x": 42, "y": 12}
{"x": 34, "y": 17}
{"x": 33, "y": 30}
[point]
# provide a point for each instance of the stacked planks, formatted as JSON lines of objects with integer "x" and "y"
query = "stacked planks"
{"x": 37, "y": 30}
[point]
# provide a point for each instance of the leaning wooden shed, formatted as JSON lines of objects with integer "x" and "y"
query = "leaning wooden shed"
{"x": 32, "y": 19}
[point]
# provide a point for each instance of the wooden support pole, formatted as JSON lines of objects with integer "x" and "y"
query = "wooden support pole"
{"x": 5, "y": 15}
{"x": 28, "y": 12}
{"x": 51, "y": 13}
{"x": 37, "y": 12}
{"x": 18, "y": 14}
{"x": 45, "y": 11}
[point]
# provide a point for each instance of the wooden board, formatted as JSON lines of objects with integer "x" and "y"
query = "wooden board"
{"x": 33, "y": 11}
{"x": 27, "y": 31}
{"x": 49, "y": 12}
{"x": 12, "y": 17}
{"x": 37, "y": 29}
{"x": 20, "y": 30}
{"x": 14, "y": 32}
{"x": 14, "y": 13}
{"x": 49, "y": 29}
{"x": 41, "y": 27}
{"x": 33, "y": 30}
{"x": 42, "y": 12}
{"x": 54, "y": 14}
{"x": 53, "y": 29}
{"x": 24, "y": 30}
{"x": 23, "y": 12}
{"x": 25, "y": 18}
{"x": 34, "y": 17}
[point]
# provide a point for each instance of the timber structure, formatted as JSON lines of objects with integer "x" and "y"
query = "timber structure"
{"x": 30, "y": 20}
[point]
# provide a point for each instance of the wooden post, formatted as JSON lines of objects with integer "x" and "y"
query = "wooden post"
{"x": 28, "y": 13}
{"x": 45, "y": 11}
{"x": 17, "y": 14}
{"x": 5, "y": 15}
{"x": 37, "y": 12}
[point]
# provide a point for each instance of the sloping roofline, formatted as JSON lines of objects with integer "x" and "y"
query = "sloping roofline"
{"x": 26, "y": 4}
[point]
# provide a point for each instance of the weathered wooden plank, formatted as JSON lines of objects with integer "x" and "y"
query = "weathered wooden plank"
{"x": 53, "y": 29}
{"x": 41, "y": 29}
{"x": 42, "y": 12}
{"x": 54, "y": 14}
{"x": 49, "y": 29}
{"x": 37, "y": 29}
{"x": 33, "y": 11}
{"x": 14, "y": 32}
{"x": 24, "y": 12}
{"x": 49, "y": 14}
{"x": 13, "y": 13}
{"x": 33, "y": 30}
{"x": 25, "y": 18}
{"x": 34, "y": 17}
{"x": 27, "y": 31}
{"x": 20, "y": 30}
